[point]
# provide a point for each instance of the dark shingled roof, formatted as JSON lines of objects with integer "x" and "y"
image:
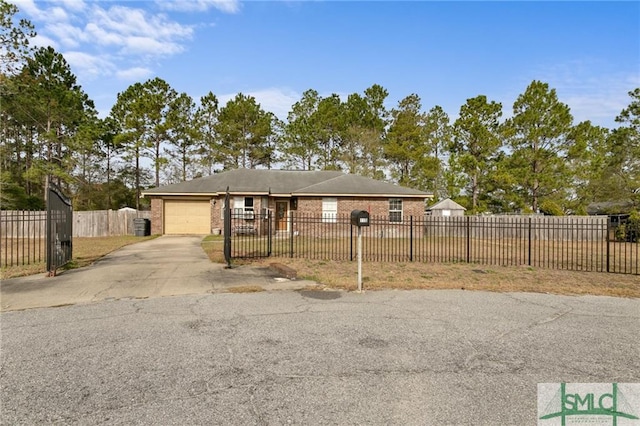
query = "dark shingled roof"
{"x": 286, "y": 182}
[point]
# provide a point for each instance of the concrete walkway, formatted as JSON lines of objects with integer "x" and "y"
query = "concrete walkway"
{"x": 165, "y": 266}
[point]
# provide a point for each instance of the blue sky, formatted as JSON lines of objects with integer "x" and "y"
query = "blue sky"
{"x": 445, "y": 52}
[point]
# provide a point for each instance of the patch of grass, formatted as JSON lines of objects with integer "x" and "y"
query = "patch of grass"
{"x": 23, "y": 270}
{"x": 246, "y": 289}
{"x": 311, "y": 277}
{"x": 415, "y": 275}
{"x": 213, "y": 246}
{"x": 85, "y": 252}
{"x": 213, "y": 239}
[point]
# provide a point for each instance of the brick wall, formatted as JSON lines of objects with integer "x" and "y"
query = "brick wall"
{"x": 156, "y": 215}
{"x": 217, "y": 222}
{"x": 378, "y": 209}
{"x": 307, "y": 206}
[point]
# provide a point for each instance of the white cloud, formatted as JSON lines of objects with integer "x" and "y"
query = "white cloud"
{"x": 592, "y": 90}
{"x": 134, "y": 30}
{"x": 57, "y": 14}
{"x": 137, "y": 32}
{"x": 149, "y": 46}
{"x": 134, "y": 74}
{"x": 48, "y": 14}
{"x": 29, "y": 7}
{"x": 129, "y": 21}
{"x": 67, "y": 34}
{"x": 275, "y": 100}
{"x": 102, "y": 37}
{"x": 43, "y": 41}
{"x": 227, "y": 6}
{"x": 89, "y": 65}
{"x": 73, "y": 5}
{"x": 599, "y": 99}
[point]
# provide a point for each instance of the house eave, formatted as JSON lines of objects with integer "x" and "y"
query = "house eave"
{"x": 178, "y": 194}
{"x": 361, "y": 195}
{"x": 201, "y": 194}
{"x": 281, "y": 195}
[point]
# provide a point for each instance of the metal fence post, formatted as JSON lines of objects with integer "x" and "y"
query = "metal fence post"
{"x": 290, "y": 234}
{"x": 269, "y": 236}
{"x": 49, "y": 229}
{"x": 410, "y": 238}
{"x": 227, "y": 229}
{"x": 529, "y": 241}
{"x": 468, "y": 239}
{"x": 351, "y": 244}
{"x": 608, "y": 242}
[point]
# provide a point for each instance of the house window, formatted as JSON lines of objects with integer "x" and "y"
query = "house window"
{"x": 395, "y": 210}
{"x": 243, "y": 206}
{"x": 329, "y": 209}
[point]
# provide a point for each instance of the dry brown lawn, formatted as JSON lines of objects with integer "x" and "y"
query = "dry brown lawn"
{"x": 379, "y": 276}
{"x": 419, "y": 275}
{"x": 213, "y": 246}
{"x": 85, "y": 252}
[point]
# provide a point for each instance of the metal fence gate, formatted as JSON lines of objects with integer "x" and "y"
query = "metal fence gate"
{"x": 251, "y": 235}
{"x": 59, "y": 229}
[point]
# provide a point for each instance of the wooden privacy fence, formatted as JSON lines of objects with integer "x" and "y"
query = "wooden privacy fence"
{"x": 22, "y": 233}
{"x": 97, "y": 223}
{"x": 587, "y": 243}
{"x": 105, "y": 223}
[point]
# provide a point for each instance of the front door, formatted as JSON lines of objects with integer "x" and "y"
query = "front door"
{"x": 282, "y": 209}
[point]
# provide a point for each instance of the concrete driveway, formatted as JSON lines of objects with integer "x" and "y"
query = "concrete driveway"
{"x": 165, "y": 266}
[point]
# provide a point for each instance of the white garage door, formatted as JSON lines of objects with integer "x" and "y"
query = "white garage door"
{"x": 187, "y": 217}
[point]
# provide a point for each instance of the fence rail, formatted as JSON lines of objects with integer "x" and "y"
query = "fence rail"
{"x": 22, "y": 233}
{"x": 571, "y": 243}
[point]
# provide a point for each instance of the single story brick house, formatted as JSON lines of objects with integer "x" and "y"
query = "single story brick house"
{"x": 197, "y": 206}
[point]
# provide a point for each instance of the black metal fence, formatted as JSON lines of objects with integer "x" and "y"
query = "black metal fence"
{"x": 59, "y": 229}
{"x": 571, "y": 243}
{"x": 22, "y": 237}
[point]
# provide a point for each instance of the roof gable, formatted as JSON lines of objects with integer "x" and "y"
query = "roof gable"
{"x": 446, "y": 204}
{"x": 357, "y": 185}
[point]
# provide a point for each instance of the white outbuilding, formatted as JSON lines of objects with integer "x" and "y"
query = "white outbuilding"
{"x": 446, "y": 207}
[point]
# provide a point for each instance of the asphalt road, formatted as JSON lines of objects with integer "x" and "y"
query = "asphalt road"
{"x": 290, "y": 357}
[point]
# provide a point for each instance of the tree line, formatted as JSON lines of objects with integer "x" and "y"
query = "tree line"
{"x": 538, "y": 160}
